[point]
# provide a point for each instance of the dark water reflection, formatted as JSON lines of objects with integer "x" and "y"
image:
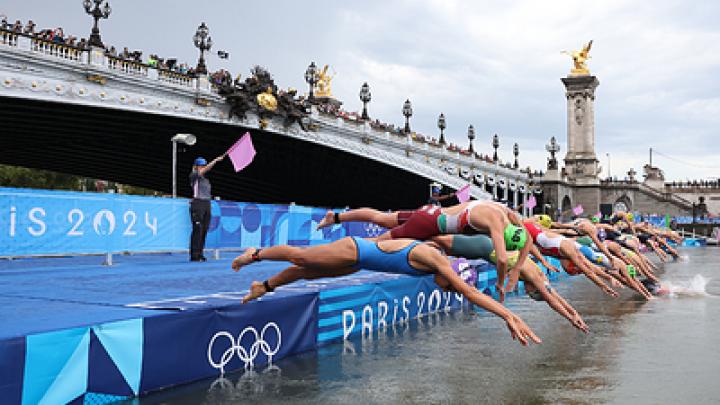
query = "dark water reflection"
{"x": 664, "y": 351}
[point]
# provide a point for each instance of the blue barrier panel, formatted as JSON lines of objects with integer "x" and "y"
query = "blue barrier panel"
{"x": 365, "y": 307}
{"x": 48, "y": 222}
{"x": 36, "y": 222}
{"x": 210, "y": 342}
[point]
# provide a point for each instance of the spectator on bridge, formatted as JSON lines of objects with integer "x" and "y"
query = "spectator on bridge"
{"x": 17, "y": 27}
{"x": 111, "y": 51}
{"x": 200, "y": 206}
{"x": 58, "y": 36}
{"x": 125, "y": 53}
{"x": 29, "y": 28}
{"x": 4, "y": 25}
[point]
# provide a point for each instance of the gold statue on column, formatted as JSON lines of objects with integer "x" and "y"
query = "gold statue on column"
{"x": 322, "y": 85}
{"x": 579, "y": 58}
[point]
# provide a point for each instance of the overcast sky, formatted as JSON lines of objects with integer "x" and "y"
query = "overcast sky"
{"x": 496, "y": 65}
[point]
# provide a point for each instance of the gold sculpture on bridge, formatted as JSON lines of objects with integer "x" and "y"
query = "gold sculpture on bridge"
{"x": 267, "y": 100}
{"x": 579, "y": 58}
{"x": 322, "y": 85}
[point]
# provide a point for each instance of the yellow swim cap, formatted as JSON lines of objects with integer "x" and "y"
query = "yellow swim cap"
{"x": 512, "y": 258}
{"x": 630, "y": 217}
{"x": 544, "y": 220}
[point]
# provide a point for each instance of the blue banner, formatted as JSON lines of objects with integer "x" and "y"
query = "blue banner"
{"x": 46, "y": 222}
{"x": 211, "y": 342}
{"x": 368, "y": 307}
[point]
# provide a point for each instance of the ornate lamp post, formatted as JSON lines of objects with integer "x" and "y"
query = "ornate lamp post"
{"x": 311, "y": 78}
{"x": 516, "y": 152}
{"x": 97, "y": 13}
{"x": 202, "y": 42}
{"x": 442, "y": 126}
{"x": 495, "y": 145}
{"x": 407, "y": 112}
{"x": 553, "y": 147}
{"x": 365, "y": 97}
{"x": 471, "y": 136}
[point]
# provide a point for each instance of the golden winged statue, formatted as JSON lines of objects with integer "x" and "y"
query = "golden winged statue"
{"x": 322, "y": 86}
{"x": 579, "y": 58}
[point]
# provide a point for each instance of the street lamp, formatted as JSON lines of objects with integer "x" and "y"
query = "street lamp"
{"x": 187, "y": 139}
{"x": 442, "y": 126}
{"x": 471, "y": 136}
{"x": 311, "y": 78}
{"x": 516, "y": 152}
{"x": 407, "y": 112}
{"x": 495, "y": 145}
{"x": 202, "y": 42}
{"x": 553, "y": 147}
{"x": 365, "y": 97}
{"x": 97, "y": 13}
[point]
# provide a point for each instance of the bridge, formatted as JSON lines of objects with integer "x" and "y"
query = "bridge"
{"x": 83, "y": 112}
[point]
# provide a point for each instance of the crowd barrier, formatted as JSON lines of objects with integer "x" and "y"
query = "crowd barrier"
{"x": 47, "y": 222}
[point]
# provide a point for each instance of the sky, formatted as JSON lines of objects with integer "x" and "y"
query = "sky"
{"x": 493, "y": 64}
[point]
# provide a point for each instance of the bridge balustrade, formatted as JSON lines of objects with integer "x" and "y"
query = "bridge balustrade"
{"x": 8, "y": 38}
{"x": 55, "y": 49}
{"x": 127, "y": 66}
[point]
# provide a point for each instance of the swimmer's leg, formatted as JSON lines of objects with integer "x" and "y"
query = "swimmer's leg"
{"x": 384, "y": 219}
{"x": 568, "y": 250}
{"x": 340, "y": 253}
{"x": 289, "y": 275}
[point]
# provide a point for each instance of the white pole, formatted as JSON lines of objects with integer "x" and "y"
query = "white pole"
{"x": 174, "y": 169}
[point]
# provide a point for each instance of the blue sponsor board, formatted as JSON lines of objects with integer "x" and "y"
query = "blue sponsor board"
{"x": 210, "y": 342}
{"x": 48, "y": 222}
{"x": 372, "y": 306}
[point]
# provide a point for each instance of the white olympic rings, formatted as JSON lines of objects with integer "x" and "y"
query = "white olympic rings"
{"x": 246, "y": 356}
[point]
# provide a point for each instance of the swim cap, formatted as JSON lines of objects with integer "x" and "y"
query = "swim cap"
{"x": 631, "y": 270}
{"x": 466, "y": 272}
{"x": 595, "y": 219}
{"x": 515, "y": 237}
{"x": 544, "y": 220}
{"x": 602, "y": 235}
{"x": 630, "y": 217}
{"x": 200, "y": 162}
{"x": 512, "y": 258}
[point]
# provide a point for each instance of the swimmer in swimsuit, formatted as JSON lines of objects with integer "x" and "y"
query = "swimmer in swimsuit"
{"x": 496, "y": 220}
{"x": 536, "y": 284}
{"x": 350, "y": 254}
{"x": 559, "y": 246}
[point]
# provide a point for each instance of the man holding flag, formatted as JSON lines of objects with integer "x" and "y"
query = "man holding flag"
{"x": 241, "y": 154}
{"x": 200, "y": 205}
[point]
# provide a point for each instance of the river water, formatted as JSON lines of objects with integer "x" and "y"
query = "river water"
{"x": 659, "y": 352}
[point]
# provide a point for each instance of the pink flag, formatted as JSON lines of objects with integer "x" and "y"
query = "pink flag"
{"x": 463, "y": 194}
{"x": 242, "y": 152}
{"x": 578, "y": 210}
{"x": 531, "y": 202}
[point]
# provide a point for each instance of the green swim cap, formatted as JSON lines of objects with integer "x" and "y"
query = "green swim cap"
{"x": 595, "y": 219}
{"x": 515, "y": 237}
{"x": 512, "y": 258}
{"x": 631, "y": 270}
{"x": 584, "y": 240}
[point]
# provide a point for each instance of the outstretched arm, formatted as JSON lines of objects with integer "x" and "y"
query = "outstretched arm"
{"x": 536, "y": 253}
{"x": 518, "y": 329}
{"x": 210, "y": 165}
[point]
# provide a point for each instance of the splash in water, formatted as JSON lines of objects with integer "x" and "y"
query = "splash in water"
{"x": 694, "y": 287}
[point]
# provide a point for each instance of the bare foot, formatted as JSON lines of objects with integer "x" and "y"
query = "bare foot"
{"x": 257, "y": 290}
{"x": 244, "y": 259}
{"x": 327, "y": 221}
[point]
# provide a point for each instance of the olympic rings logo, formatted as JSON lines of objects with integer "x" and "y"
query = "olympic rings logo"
{"x": 236, "y": 346}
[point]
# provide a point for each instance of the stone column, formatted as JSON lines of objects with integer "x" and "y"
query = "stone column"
{"x": 581, "y": 162}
